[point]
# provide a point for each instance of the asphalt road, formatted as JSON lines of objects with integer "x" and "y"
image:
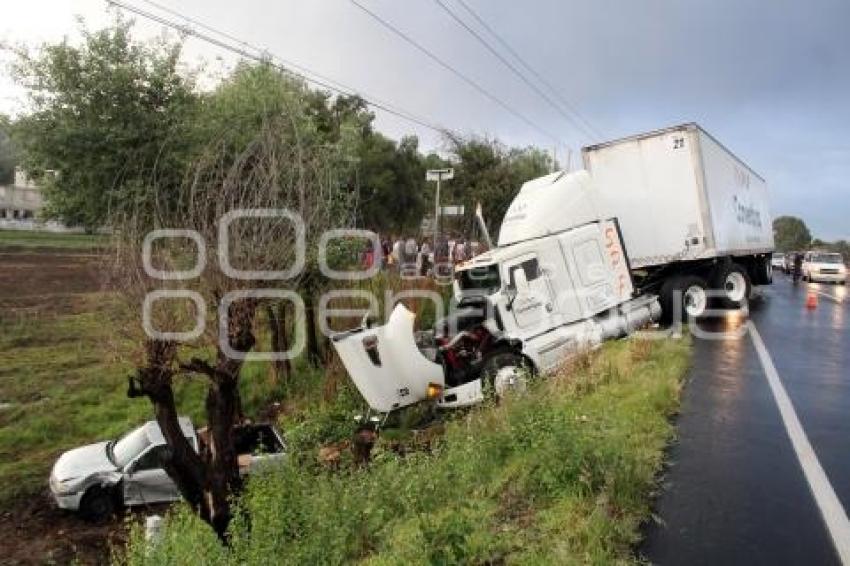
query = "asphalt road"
{"x": 736, "y": 492}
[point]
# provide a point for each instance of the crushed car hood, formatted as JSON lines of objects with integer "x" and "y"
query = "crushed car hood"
{"x": 83, "y": 461}
{"x": 385, "y": 363}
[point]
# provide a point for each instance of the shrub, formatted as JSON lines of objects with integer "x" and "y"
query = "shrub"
{"x": 561, "y": 474}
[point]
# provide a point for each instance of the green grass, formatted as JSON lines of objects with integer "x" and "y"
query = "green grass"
{"x": 23, "y": 239}
{"x": 65, "y": 389}
{"x": 560, "y": 475}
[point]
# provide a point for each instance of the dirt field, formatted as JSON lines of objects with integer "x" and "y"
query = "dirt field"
{"x": 38, "y": 287}
{"x": 45, "y": 281}
{"x": 36, "y": 532}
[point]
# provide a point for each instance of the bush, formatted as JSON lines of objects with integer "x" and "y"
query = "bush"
{"x": 561, "y": 474}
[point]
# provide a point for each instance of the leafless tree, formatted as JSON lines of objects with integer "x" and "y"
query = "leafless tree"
{"x": 274, "y": 171}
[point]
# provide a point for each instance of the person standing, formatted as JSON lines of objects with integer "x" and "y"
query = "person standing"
{"x": 459, "y": 251}
{"x": 396, "y": 252}
{"x": 386, "y": 250}
{"x": 425, "y": 255}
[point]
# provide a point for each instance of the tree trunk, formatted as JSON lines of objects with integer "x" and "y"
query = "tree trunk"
{"x": 280, "y": 338}
{"x": 314, "y": 354}
{"x": 206, "y": 480}
{"x": 182, "y": 463}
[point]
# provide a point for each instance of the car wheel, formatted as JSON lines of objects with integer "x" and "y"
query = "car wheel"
{"x": 97, "y": 505}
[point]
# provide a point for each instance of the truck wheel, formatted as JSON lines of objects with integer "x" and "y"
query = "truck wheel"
{"x": 97, "y": 505}
{"x": 683, "y": 297}
{"x": 505, "y": 370}
{"x": 735, "y": 284}
{"x": 765, "y": 273}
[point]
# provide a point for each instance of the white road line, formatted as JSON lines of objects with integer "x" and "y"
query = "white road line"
{"x": 830, "y": 507}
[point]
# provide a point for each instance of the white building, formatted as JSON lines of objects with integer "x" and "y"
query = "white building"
{"x": 21, "y": 201}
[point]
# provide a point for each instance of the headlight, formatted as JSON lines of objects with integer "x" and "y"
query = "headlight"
{"x": 66, "y": 486}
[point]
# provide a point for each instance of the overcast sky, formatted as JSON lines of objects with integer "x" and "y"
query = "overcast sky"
{"x": 770, "y": 79}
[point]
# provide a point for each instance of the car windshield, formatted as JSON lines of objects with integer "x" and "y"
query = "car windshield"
{"x": 778, "y": 256}
{"x": 481, "y": 278}
{"x": 123, "y": 450}
{"x": 827, "y": 258}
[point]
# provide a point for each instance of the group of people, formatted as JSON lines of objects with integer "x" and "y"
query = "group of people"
{"x": 418, "y": 257}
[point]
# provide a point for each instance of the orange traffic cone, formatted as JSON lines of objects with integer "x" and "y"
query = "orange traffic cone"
{"x": 812, "y": 300}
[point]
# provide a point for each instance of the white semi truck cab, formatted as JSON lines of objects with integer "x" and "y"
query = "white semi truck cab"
{"x": 657, "y": 225}
{"x": 557, "y": 283}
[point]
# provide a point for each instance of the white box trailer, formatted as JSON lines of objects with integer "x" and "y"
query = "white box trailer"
{"x": 693, "y": 215}
{"x": 680, "y": 195}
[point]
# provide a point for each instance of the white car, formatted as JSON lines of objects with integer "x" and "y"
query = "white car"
{"x": 96, "y": 478}
{"x": 827, "y": 267}
{"x": 777, "y": 261}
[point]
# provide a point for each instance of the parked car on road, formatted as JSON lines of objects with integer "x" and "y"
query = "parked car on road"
{"x": 827, "y": 267}
{"x": 777, "y": 261}
{"x": 96, "y": 478}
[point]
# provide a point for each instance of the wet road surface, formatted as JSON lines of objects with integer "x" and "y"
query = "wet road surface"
{"x": 735, "y": 492}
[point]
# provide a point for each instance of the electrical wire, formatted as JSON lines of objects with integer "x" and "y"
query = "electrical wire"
{"x": 396, "y": 31}
{"x": 513, "y": 69}
{"x": 531, "y": 69}
{"x": 262, "y": 56}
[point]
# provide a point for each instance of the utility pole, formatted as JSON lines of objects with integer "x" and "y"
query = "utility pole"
{"x": 438, "y": 175}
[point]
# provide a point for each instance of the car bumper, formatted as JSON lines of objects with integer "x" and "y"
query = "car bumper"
{"x": 70, "y": 501}
{"x": 828, "y": 277}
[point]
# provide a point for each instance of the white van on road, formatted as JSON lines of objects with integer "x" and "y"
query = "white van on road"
{"x": 826, "y": 267}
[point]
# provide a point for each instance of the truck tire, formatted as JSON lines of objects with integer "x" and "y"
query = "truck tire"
{"x": 735, "y": 284}
{"x": 97, "y": 504}
{"x": 505, "y": 369}
{"x": 762, "y": 272}
{"x": 683, "y": 297}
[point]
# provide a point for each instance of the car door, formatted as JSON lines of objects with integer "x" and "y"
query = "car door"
{"x": 533, "y": 301}
{"x": 146, "y": 482}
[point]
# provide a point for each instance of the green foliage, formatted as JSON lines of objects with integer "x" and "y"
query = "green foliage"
{"x": 559, "y": 475}
{"x": 120, "y": 125}
{"x": 488, "y": 172}
{"x": 390, "y": 179}
{"x": 108, "y": 117}
{"x": 43, "y": 241}
{"x": 63, "y": 392}
{"x": 791, "y": 234}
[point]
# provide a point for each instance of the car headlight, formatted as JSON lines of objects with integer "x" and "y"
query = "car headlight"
{"x": 66, "y": 486}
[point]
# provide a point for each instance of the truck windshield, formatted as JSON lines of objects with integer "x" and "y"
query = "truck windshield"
{"x": 123, "y": 450}
{"x": 827, "y": 258}
{"x": 482, "y": 278}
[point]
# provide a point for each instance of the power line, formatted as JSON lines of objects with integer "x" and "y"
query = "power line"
{"x": 529, "y": 68}
{"x": 513, "y": 69}
{"x": 453, "y": 70}
{"x": 266, "y": 57}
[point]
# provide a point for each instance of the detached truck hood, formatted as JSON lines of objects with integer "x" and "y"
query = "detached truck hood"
{"x": 385, "y": 363}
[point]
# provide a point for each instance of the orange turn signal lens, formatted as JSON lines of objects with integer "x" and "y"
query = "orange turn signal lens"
{"x": 435, "y": 390}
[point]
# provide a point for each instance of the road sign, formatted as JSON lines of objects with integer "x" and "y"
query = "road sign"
{"x": 452, "y": 210}
{"x": 439, "y": 174}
